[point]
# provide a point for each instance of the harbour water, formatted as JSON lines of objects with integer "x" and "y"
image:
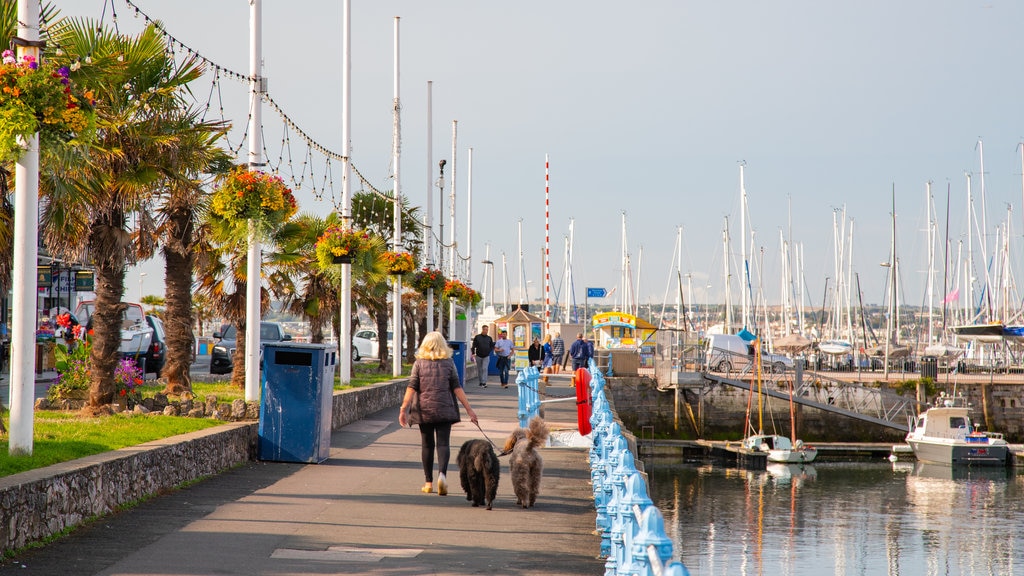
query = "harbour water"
{"x": 902, "y": 518}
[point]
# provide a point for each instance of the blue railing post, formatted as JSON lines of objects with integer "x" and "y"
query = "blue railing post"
{"x": 528, "y": 381}
{"x": 632, "y": 529}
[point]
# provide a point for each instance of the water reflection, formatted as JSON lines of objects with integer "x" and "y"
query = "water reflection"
{"x": 839, "y": 518}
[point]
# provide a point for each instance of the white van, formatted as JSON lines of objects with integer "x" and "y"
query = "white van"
{"x": 727, "y": 352}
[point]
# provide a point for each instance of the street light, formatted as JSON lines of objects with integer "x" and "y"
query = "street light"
{"x": 141, "y": 276}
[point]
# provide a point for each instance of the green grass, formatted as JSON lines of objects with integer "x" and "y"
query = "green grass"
{"x": 63, "y": 436}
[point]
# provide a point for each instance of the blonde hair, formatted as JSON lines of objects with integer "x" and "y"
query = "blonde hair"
{"x": 434, "y": 347}
{"x": 547, "y": 338}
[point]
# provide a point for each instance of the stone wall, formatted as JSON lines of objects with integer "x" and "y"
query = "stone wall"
{"x": 39, "y": 503}
{"x": 722, "y": 411}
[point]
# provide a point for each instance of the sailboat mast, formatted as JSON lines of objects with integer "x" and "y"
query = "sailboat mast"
{"x": 745, "y": 306}
{"x": 931, "y": 260}
{"x": 725, "y": 262}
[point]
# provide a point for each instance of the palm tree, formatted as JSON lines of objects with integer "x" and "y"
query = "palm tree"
{"x": 138, "y": 88}
{"x": 180, "y": 210}
{"x": 374, "y": 213}
{"x": 303, "y": 288}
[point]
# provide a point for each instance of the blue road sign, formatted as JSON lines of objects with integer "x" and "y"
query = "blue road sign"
{"x": 596, "y": 292}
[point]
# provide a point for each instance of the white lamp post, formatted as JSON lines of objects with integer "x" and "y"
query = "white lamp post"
{"x": 141, "y": 276}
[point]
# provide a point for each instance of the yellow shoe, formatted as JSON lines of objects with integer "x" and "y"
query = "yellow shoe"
{"x": 442, "y": 486}
{"x": 427, "y": 488}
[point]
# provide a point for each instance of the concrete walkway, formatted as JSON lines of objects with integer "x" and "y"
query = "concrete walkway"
{"x": 360, "y": 512}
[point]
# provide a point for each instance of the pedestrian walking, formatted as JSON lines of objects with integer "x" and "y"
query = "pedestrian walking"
{"x": 505, "y": 350}
{"x": 557, "y": 353}
{"x": 480, "y": 351}
{"x": 430, "y": 401}
{"x": 579, "y": 352}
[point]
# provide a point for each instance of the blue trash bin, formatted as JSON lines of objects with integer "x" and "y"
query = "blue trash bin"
{"x": 459, "y": 357}
{"x": 492, "y": 365}
{"x": 295, "y": 409}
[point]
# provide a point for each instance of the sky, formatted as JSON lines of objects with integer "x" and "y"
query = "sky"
{"x": 646, "y": 111}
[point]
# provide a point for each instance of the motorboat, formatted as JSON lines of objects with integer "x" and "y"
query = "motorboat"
{"x": 781, "y": 449}
{"x": 944, "y": 434}
{"x": 835, "y": 347}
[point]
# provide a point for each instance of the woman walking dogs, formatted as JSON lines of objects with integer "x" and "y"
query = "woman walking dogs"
{"x": 430, "y": 401}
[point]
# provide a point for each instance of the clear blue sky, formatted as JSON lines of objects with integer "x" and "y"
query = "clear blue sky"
{"x": 647, "y": 108}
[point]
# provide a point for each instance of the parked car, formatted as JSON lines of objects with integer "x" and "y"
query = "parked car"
{"x": 221, "y": 357}
{"x": 156, "y": 356}
{"x": 727, "y": 352}
{"x": 365, "y": 343}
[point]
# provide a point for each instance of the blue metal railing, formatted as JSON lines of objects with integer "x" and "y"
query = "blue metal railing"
{"x": 633, "y": 537}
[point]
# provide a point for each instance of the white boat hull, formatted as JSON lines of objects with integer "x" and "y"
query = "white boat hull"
{"x": 944, "y": 434}
{"x": 959, "y": 453}
{"x": 781, "y": 449}
{"x": 795, "y": 456}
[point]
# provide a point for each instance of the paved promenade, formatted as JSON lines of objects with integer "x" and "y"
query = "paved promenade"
{"x": 360, "y": 512}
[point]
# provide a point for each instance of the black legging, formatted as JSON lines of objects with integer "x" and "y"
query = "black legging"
{"x": 427, "y": 445}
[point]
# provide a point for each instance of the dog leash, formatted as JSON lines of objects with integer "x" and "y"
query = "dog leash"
{"x": 493, "y": 445}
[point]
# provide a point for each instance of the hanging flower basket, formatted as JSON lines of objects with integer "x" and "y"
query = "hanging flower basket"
{"x": 398, "y": 263}
{"x": 425, "y": 279}
{"x": 253, "y": 196}
{"x": 40, "y": 97}
{"x": 337, "y": 244}
{"x": 459, "y": 291}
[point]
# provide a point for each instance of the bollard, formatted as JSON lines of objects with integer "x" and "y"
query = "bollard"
{"x": 623, "y": 468}
{"x": 651, "y": 542}
{"x": 632, "y": 502}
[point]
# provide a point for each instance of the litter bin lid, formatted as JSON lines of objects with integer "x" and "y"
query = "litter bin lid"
{"x": 299, "y": 345}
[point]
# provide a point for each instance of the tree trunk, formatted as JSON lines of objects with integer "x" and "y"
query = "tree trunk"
{"x": 178, "y": 321}
{"x": 108, "y": 312}
{"x": 238, "y": 360}
{"x": 380, "y": 315}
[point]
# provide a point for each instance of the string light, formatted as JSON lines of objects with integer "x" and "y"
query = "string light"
{"x": 176, "y": 47}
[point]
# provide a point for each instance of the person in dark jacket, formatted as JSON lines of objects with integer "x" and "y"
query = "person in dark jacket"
{"x": 435, "y": 380}
{"x": 535, "y": 353}
{"x": 480, "y": 351}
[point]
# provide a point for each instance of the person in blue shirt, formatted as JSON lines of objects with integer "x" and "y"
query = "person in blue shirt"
{"x": 579, "y": 352}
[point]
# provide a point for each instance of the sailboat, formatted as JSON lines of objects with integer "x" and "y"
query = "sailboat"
{"x": 778, "y": 448}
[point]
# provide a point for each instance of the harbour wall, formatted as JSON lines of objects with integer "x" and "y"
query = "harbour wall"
{"x": 719, "y": 412}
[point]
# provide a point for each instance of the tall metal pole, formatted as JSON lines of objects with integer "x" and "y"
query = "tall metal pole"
{"x": 428, "y": 222}
{"x": 26, "y": 253}
{"x": 396, "y": 295}
{"x": 470, "y": 310}
{"x": 451, "y": 231}
{"x": 522, "y": 272}
{"x": 254, "y": 263}
{"x": 345, "y": 320}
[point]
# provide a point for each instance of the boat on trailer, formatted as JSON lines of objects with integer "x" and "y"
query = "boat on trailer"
{"x": 944, "y": 434}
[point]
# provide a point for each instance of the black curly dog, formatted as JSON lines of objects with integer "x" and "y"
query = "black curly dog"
{"x": 478, "y": 471}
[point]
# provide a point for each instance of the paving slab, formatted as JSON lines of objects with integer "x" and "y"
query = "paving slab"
{"x": 359, "y": 512}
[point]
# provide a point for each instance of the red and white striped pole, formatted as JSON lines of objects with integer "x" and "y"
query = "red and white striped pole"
{"x": 547, "y": 247}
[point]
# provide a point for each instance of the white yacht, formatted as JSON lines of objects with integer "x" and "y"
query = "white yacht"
{"x": 945, "y": 434}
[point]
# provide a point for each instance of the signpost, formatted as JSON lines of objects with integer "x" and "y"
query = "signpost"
{"x": 592, "y": 293}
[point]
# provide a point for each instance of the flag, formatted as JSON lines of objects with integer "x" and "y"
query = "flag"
{"x": 954, "y": 295}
